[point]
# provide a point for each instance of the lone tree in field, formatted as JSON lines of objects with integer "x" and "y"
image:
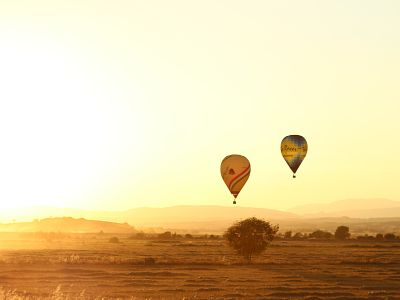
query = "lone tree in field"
{"x": 342, "y": 233}
{"x": 251, "y": 236}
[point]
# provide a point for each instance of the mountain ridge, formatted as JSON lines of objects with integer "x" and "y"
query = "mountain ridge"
{"x": 149, "y": 215}
{"x": 193, "y": 217}
{"x": 363, "y": 208}
{"x": 67, "y": 225}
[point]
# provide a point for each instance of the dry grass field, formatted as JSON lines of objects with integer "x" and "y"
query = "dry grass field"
{"x": 88, "y": 266}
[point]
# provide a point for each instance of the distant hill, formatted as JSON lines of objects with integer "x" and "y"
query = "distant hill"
{"x": 190, "y": 214}
{"x": 354, "y": 208}
{"x": 182, "y": 217}
{"x": 68, "y": 225}
{"x": 370, "y": 216}
{"x": 198, "y": 218}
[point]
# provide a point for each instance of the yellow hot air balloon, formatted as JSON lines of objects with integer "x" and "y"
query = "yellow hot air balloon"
{"x": 235, "y": 170}
{"x": 294, "y": 150}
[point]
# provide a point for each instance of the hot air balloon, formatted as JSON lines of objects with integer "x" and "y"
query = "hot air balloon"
{"x": 235, "y": 170}
{"x": 294, "y": 149}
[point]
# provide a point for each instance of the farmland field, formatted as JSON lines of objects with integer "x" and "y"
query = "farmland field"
{"x": 88, "y": 266}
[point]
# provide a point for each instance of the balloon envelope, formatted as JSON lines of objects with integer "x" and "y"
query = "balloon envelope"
{"x": 294, "y": 149}
{"x": 235, "y": 170}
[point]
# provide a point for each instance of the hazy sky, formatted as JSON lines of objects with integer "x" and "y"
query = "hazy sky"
{"x": 118, "y": 104}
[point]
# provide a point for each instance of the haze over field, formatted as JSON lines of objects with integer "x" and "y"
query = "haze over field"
{"x": 360, "y": 208}
{"x": 376, "y": 215}
{"x": 356, "y": 208}
{"x": 67, "y": 225}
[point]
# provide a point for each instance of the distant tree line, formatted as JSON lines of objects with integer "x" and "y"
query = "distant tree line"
{"x": 341, "y": 233}
{"x": 168, "y": 235}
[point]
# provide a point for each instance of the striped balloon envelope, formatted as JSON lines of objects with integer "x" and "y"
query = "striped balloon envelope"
{"x": 235, "y": 170}
{"x": 294, "y": 149}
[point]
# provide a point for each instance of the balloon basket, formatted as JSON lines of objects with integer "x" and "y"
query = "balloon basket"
{"x": 234, "y": 201}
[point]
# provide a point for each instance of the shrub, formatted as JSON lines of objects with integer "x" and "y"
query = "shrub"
{"x": 365, "y": 237}
{"x": 114, "y": 239}
{"x": 149, "y": 261}
{"x": 298, "y": 235}
{"x": 250, "y": 236}
{"x": 320, "y": 234}
{"x": 140, "y": 235}
{"x": 213, "y": 237}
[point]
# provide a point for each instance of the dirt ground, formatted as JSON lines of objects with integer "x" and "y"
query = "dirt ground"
{"x": 90, "y": 267}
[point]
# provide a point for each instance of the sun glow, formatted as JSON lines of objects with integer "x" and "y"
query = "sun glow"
{"x": 59, "y": 137}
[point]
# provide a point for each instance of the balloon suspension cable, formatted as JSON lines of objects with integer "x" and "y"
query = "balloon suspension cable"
{"x": 294, "y": 176}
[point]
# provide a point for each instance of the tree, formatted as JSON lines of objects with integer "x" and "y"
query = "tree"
{"x": 389, "y": 236}
{"x": 251, "y": 236}
{"x": 166, "y": 235}
{"x": 342, "y": 233}
{"x": 288, "y": 235}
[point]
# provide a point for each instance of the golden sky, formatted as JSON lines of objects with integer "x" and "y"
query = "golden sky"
{"x": 119, "y": 104}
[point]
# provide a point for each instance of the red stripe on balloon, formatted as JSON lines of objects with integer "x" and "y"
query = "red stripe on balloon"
{"x": 246, "y": 176}
{"x": 233, "y": 179}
